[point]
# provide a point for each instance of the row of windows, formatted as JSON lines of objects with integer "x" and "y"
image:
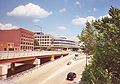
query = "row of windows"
{"x": 44, "y": 42}
{"x": 42, "y": 37}
{"x": 27, "y": 35}
{"x": 26, "y": 47}
{"x": 63, "y": 40}
{"x": 45, "y": 45}
{"x": 63, "y": 43}
{"x": 27, "y": 43}
{"x": 7, "y": 45}
{"x": 30, "y": 40}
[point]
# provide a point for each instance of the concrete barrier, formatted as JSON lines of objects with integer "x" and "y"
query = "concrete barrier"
{"x": 11, "y": 54}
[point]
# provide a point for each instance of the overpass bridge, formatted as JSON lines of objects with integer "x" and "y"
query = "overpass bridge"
{"x": 11, "y": 59}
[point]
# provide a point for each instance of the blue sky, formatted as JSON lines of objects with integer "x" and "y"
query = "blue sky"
{"x": 56, "y": 17}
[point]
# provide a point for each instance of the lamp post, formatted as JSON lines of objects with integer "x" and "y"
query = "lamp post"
{"x": 86, "y": 59}
{"x": 39, "y": 27}
{"x": 40, "y": 31}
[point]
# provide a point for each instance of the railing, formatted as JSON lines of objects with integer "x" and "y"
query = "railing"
{"x": 19, "y": 54}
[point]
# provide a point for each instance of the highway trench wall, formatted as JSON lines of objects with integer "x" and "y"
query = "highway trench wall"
{"x": 26, "y": 65}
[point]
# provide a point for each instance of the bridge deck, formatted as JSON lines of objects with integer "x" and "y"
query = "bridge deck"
{"x": 17, "y": 56}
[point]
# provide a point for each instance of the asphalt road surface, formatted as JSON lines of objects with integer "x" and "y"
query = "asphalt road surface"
{"x": 54, "y": 72}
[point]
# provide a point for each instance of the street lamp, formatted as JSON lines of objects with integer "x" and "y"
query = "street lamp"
{"x": 39, "y": 27}
{"x": 40, "y": 31}
{"x": 86, "y": 59}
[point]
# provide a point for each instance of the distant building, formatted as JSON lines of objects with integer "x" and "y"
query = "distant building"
{"x": 46, "y": 40}
{"x": 21, "y": 38}
{"x": 63, "y": 42}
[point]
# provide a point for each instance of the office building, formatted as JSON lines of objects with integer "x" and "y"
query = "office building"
{"x": 63, "y": 42}
{"x": 21, "y": 38}
{"x": 46, "y": 40}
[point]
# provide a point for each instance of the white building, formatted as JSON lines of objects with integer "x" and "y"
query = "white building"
{"x": 63, "y": 42}
{"x": 46, "y": 40}
{"x": 43, "y": 39}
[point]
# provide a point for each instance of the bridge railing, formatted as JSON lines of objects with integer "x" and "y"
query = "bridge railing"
{"x": 19, "y": 54}
{"x": 10, "y": 54}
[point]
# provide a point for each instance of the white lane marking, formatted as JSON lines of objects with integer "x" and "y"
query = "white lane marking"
{"x": 62, "y": 69}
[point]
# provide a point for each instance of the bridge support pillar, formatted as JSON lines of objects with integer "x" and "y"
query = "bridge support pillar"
{"x": 37, "y": 62}
{"x": 3, "y": 71}
{"x": 12, "y": 67}
{"x": 62, "y": 56}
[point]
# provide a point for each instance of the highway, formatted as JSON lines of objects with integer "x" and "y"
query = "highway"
{"x": 54, "y": 72}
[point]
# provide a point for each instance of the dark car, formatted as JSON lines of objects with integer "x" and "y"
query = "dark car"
{"x": 71, "y": 76}
{"x": 68, "y": 63}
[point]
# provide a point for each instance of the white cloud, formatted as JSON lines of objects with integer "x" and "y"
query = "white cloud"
{"x": 62, "y": 10}
{"x": 7, "y": 26}
{"x": 81, "y": 21}
{"x": 36, "y": 20}
{"x": 90, "y": 18}
{"x": 29, "y": 10}
{"x": 78, "y": 21}
{"x": 77, "y": 2}
{"x": 94, "y": 9}
{"x": 104, "y": 16}
{"x": 62, "y": 28}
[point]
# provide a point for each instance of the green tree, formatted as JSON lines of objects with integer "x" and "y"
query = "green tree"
{"x": 36, "y": 43}
{"x": 106, "y": 51}
{"x": 88, "y": 37}
{"x": 48, "y": 48}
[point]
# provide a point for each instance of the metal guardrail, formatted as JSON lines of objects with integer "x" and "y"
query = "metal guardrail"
{"x": 19, "y": 54}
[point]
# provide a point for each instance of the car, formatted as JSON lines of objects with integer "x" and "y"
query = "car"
{"x": 71, "y": 76}
{"x": 68, "y": 63}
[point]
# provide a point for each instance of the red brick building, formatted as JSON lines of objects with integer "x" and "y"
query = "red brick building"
{"x": 8, "y": 46}
{"x": 21, "y": 38}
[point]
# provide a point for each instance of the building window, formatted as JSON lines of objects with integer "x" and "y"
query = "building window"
{"x": 5, "y": 49}
{"x": 21, "y": 47}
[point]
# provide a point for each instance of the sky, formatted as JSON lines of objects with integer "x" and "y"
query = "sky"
{"x": 56, "y": 17}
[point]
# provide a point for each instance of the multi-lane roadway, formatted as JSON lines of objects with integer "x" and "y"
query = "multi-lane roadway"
{"x": 54, "y": 72}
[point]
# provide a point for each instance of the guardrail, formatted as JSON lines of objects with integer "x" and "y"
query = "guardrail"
{"x": 19, "y": 54}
